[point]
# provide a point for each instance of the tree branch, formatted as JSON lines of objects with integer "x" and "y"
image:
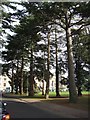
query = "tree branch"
{"x": 77, "y": 23}
{"x": 79, "y": 28}
{"x": 60, "y": 24}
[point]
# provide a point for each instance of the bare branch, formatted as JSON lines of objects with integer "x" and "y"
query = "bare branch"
{"x": 60, "y": 24}
{"x": 79, "y": 28}
{"x": 77, "y": 23}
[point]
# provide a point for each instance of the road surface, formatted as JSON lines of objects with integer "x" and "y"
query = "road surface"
{"x": 19, "y": 109}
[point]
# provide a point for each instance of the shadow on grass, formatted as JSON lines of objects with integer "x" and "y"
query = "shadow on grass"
{"x": 35, "y": 96}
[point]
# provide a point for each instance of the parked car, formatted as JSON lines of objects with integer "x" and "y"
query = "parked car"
{"x": 4, "y": 115}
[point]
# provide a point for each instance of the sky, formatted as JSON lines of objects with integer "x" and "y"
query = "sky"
{"x": 48, "y": 0}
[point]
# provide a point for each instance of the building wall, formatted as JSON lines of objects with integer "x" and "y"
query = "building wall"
{"x": 52, "y": 85}
{"x": 4, "y": 83}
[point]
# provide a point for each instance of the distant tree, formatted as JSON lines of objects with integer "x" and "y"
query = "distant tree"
{"x": 81, "y": 58}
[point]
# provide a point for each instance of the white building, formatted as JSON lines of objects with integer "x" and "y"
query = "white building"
{"x": 5, "y": 83}
{"x": 42, "y": 84}
{"x": 52, "y": 85}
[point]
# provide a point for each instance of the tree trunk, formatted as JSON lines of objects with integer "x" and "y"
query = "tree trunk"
{"x": 57, "y": 72}
{"x": 31, "y": 81}
{"x": 48, "y": 62}
{"x": 17, "y": 78}
{"x": 79, "y": 91}
{"x": 44, "y": 77}
{"x": 72, "y": 86}
{"x": 78, "y": 77}
{"x": 22, "y": 76}
{"x": 12, "y": 84}
{"x": 31, "y": 86}
{"x": 71, "y": 78}
{"x": 43, "y": 91}
{"x": 19, "y": 86}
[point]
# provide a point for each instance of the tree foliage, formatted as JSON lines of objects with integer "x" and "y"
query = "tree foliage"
{"x": 32, "y": 43}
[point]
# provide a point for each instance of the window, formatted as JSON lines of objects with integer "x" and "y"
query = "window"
{"x": 4, "y": 78}
{"x": 52, "y": 83}
{"x": 4, "y": 84}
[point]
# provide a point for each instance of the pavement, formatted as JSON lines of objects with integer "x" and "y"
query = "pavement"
{"x": 66, "y": 112}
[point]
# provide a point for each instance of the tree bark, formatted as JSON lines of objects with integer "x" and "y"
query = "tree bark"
{"x": 79, "y": 91}
{"x": 43, "y": 91}
{"x": 78, "y": 77}
{"x": 48, "y": 62}
{"x": 17, "y": 78}
{"x": 72, "y": 86}
{"x": 57, "y": 72}
{"x": 22, "y": 76}
{"x": 31, "y": 81}
{"x": 12, "y": 84}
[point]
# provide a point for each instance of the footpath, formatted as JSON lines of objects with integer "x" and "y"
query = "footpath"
{"x": 65, "y": 112}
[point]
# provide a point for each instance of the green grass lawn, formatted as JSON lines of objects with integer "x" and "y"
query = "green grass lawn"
{"x": 51, "y": 94}
{"x": 63, "y": 94}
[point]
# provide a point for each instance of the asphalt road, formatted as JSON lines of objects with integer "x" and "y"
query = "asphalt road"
{"x": 19, "y": 109}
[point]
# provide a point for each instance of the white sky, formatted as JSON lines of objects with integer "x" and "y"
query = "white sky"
{"x": 17, "y": 0}
{"x": 49, "y": 0}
